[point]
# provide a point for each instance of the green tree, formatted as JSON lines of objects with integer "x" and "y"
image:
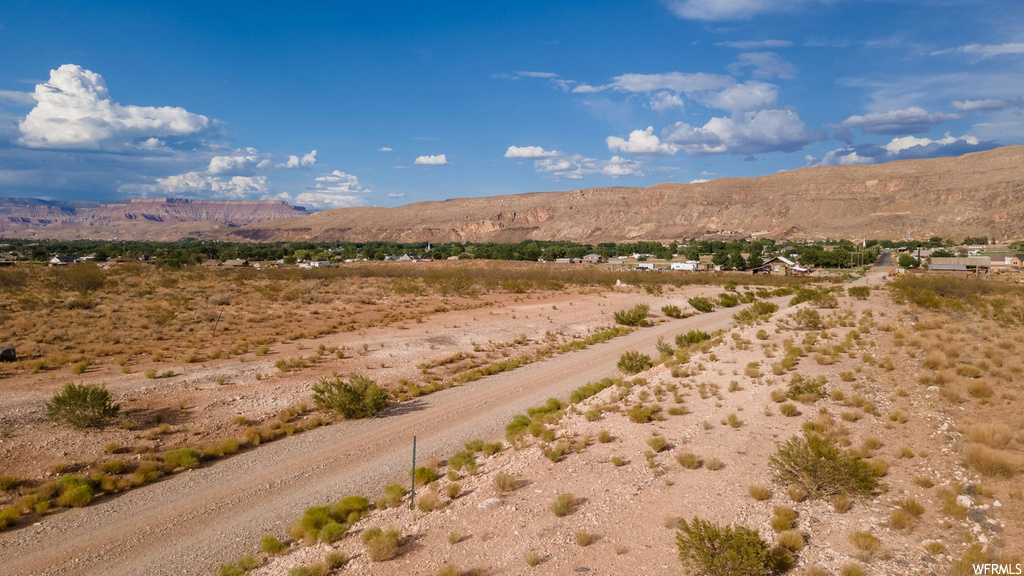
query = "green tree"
{"x": 907, "y": 261}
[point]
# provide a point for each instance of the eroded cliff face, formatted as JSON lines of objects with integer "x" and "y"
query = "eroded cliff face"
{"x": 979, "y": 194}
{"x": 142, "y": 219}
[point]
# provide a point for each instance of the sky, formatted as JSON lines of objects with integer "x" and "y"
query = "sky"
{"x": 349, "y": 103}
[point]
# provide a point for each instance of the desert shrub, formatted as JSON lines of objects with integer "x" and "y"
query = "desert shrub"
{"x": 9, "y": 483}
{"x": 701, "y": 304}
{"x": 505, "y": 482}
{"x": 789, "y": 409}
{"x": 691, "y": 337}
{"x": 181, "y": 458}
{"x": 424, "y": 475}
{"x": 633, "y": 362}
{"x": 381, "y": 545}
{"x": 807, "y": 319}
{"x": 462, "y": 459}
{"x": 350, "y": 509}
{"x": 859, "y": 292}
{"x": 635, "y": 316}
{"x": 642, "y": 413}
{"x": 517, "y": 427}
{"x": 657, "y": 443}
{"x": 75, "y": 495}
{"x": 993, "y": 435}
{"x": 360, "y": 397}
{"x": 688, "y": 460}
{"x": 9, "y": 516}
{"x": 583, "y": 537}
{"x": 332, "y": 532}
{"x": 714, "y": 463}
{"x": 821, "y": 467}
{"x": 711, "y": 550}
{"x": 428, "y": 502}
{"x": 759, "y": 492}
{"x": 82, "y": 406}
{"x": 792, "y": 540}
{"x": 114, "y": 466}
{"x": 393, "y": 494}
{"x": 672, "y": 311}
{"x": 805, "y": 389}
{"x": 727, "y": 300}
{"x": 271, "y": 545}
{"x": 336, "y": 559}
{"x": 586, "y": 391}
{"x": 755, "y": 312}
{"x": 564, "y": 504}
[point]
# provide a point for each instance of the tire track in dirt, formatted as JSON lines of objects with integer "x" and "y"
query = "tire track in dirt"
{"x": 189, "y": 523}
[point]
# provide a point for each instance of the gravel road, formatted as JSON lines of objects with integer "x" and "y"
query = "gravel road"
{"x": 191, "y": 522}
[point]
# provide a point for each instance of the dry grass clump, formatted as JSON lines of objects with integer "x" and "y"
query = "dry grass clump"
{"x": 582, "y": 537}
{"x": 759, "y": 492}
{"x": 867, "y": 544}
{"x": 564, "y": 504}
{"x": 991, "y": 461}
{"x": 505, "y": 483}
{"x": 688, "y": 460}
{"x": 381, "y": 545}
{"x": 792, "y": 540}
{"x": 993, "y": 435}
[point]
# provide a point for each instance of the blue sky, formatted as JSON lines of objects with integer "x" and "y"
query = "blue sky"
{"x": 334, "y": 104}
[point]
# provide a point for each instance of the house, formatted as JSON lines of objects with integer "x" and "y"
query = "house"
{"x": 61, "y": 260}
{"x": 211, "y": 263}
{"x": 645, "y": 266}
{"x": 968, "y": 264}
{"x": 688, "y": 266}
{"x": 236, "y": 263}
{"x": 779, "y": 266}
{"x": 563, "y": 260}
{"x": 593, "y": 259}
{"x": 1016, "y": 261}
{"x": 314, "y": 264}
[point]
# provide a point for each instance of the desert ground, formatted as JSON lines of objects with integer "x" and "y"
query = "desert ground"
{"x": 924, "y": 392}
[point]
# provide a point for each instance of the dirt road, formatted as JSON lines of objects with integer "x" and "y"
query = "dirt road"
{"x": 189, "y": 523}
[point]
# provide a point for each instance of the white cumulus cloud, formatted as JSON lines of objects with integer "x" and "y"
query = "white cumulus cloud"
{"x": 435, "y": 160}
{"x": 531, "y": 152}
{"x": 574, "y": 166}
{"x": 980, "y": 105}
{"x": 335, "y": 189}
{"x": 197, "y": 184}
{"x": 74, "y": 110}
{"x": 307, "y": 161}
{"x": 385, "y": 149}
{"x": 640, "y": 142}
{"x": 747, "y": 133}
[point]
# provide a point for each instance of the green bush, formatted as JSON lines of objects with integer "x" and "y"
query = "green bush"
{"x": 9, "y": 516}
{"x": 332, "y": 532}
{"x": 701, "y": 304}
{"x": 76, "y": 496}
{"x": 82, "y": 406}
{"x": 821, "y": 467}
{"x": 181, "y": 458}
{"x": 727, "y": 300}
{"x": 462, "y": 459}
{"x": 672, "y": 311}
{"x": 635, "y": 316}
{"x": 271, "y": 545}
{"x": 360, "y": 397}
{"x": 633, "y": 362}
{"x": 586, "y": 391}
{"x": 504, "y": 483}
{"x": 424, "y": 475}
{"x": 711, "y": 550}
{"x": 691, "y": 337}
{"x": 517, "y": 427}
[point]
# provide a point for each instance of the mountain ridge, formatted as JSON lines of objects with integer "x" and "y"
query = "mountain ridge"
{"x": 977, "y": 194}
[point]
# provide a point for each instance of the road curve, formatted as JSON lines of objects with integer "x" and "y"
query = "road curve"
{"x": 190, "y": 522}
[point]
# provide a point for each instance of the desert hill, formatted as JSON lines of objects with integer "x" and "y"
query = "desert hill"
{"x": 977, "y": 194}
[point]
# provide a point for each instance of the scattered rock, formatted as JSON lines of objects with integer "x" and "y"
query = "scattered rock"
{"x": 976, "y": 514}
{"x": 7, "y": 354}
{"x": 964, "y": 501}
{"x": 490, "y": 503}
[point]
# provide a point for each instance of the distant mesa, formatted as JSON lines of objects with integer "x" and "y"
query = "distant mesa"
{"x": 978, "y": 194}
